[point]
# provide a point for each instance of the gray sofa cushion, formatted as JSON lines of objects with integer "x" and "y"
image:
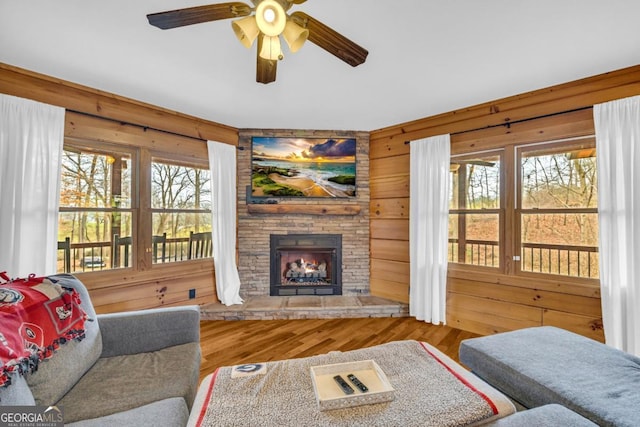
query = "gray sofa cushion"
{"x": 537, "y": 366}
{"x": 544, "y": 416}
{"x": 57, "y": 375}
{"x": 17, "y": 393}
{"x": 170, "y": 412}
{"x": 121, "y": 383}
{"x": 148, "y": 330}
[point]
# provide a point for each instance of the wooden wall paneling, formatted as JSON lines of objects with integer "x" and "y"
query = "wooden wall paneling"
{"x": 556, "y": 284}
{"x": 152, "y": 293}
{"x": 485, "y": 316}
{"x": 83, "y": 127}
{"x": 393, "y": 208}
{"x": 394, "y": 271}
{"x": 389, "y": 187}
{"x": 177, "y": 291}
{"x": 529, "y": 297}
{"x": 577, "y": 123}
{"x": 392, "y": 250}
{"x": 584, "y": 325}
{"x": 388, "y": 147}
{"x": 389, "y": 289}
{"x": 27, "y": 84}
{"x": 390, "y": 166}
{"x": 390, "y": 229}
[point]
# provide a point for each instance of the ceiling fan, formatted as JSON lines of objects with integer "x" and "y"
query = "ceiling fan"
{"x": 266, "y": 21}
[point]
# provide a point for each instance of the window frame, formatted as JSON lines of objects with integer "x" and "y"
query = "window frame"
{"x": 177, "y": 160}
{"x": 559, "y": 128}
{"x": 563, "y": 145}
{"x": 106, "y": 149}
{"x": 140, "y": 210}
{"x": 500, "y": 211}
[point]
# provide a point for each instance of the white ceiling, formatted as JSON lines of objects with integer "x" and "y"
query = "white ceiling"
{"x": 425, "y": 57}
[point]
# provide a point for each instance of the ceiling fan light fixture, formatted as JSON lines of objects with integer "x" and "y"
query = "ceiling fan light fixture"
{"x": 270, "y": 17}
{"x": 246, "y": 30}
{"x": 294, "y": 35}
{"x": 271, "y": 48}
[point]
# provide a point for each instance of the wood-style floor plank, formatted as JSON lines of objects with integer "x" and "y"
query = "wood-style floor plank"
{"x": 233, "y": 342}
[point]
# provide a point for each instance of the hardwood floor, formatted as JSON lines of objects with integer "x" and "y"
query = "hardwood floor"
{"x": 232, "y": 342}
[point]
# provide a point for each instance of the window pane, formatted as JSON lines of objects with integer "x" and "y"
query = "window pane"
{"x": 173, "y": 232}
{"x": 475, "y": 182}
{"x": 474, "y": 239}
{"x": 95, "y": 185}
{"x": 181, "y": 199}
{"x": 95, "y": 180}
{"x": 564, "y": 244}
{"x": 179, "y": 187}
{"x": 92, "y": 238}
{"x": 559, "y": 178}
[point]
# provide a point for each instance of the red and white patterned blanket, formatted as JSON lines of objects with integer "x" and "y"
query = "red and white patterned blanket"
{"x": 37, "y": 315}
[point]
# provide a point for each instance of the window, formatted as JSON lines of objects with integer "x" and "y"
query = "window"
{"x": 558, "y": 208}
{"x": 475, "y": 209}
{"x": 95, "y": 208}
{"x": 181, "y": 211}
{"x": 118, "y": 211}
{"x": 548, "y": 226}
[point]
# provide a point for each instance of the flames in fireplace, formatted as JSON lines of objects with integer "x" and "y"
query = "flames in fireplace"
{"x": 302, "y": 271}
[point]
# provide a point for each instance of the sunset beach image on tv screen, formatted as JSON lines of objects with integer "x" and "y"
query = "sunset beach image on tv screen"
{"x": 303, "y": 167}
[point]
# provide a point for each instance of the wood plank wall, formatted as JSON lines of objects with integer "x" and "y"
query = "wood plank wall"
{"x": 99, "y": 117}
{"x": 477, "y": 301}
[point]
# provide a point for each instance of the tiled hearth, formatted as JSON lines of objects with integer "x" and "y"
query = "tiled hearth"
{"x": 305, "y": 307}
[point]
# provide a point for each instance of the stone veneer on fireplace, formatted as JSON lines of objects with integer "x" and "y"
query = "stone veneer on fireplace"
{"x": 255, "y": 229}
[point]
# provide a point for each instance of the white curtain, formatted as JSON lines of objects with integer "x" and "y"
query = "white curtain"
{"x": 222, "y": 162}
{"x": 617, "y": 126}
{"x": 31, "y": 137}
{"x": 428, "y": 228}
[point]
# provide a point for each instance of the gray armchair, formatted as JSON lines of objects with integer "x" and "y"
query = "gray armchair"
{"x": 131, "y": 369}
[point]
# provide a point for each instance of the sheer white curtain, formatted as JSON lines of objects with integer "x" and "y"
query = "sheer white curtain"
{"x": 222, "y": 162}
{"x": 428, "y": 228}
{"x": 31, "y": 137}
{"x": 617, "y": 126}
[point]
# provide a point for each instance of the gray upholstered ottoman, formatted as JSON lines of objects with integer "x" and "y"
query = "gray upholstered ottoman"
{"x": 544, "y": 416}
{"x": 543, "y": 365}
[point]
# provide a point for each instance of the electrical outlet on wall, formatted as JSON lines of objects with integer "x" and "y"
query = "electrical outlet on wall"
{"x": 192, "y": 293}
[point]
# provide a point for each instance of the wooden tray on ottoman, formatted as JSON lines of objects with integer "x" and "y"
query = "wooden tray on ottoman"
{"x": 329, "y": 395}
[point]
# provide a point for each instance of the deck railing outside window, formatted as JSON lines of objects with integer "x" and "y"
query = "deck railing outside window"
{"x": 96, "y": 256}
{"x": 565, "y": 260}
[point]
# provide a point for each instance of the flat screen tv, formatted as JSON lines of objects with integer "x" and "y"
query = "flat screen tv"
{"x": 303, "y": 167}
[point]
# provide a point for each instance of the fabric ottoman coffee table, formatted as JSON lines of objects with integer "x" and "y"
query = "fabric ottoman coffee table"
{"x": 430, "y": 390}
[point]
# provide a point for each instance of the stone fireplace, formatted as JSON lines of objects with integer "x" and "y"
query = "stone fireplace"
{"x": 305, "y": 264}
{"x": 347, "y": 217}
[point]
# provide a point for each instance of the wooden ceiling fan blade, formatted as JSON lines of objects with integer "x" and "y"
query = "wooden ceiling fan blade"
{"x": 330, "y": 40}
{"x": 265, "y": 68}
{"x": 198, "y": 14}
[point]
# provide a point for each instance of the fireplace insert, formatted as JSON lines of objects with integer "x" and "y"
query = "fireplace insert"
{"x": 306, "y": 264}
